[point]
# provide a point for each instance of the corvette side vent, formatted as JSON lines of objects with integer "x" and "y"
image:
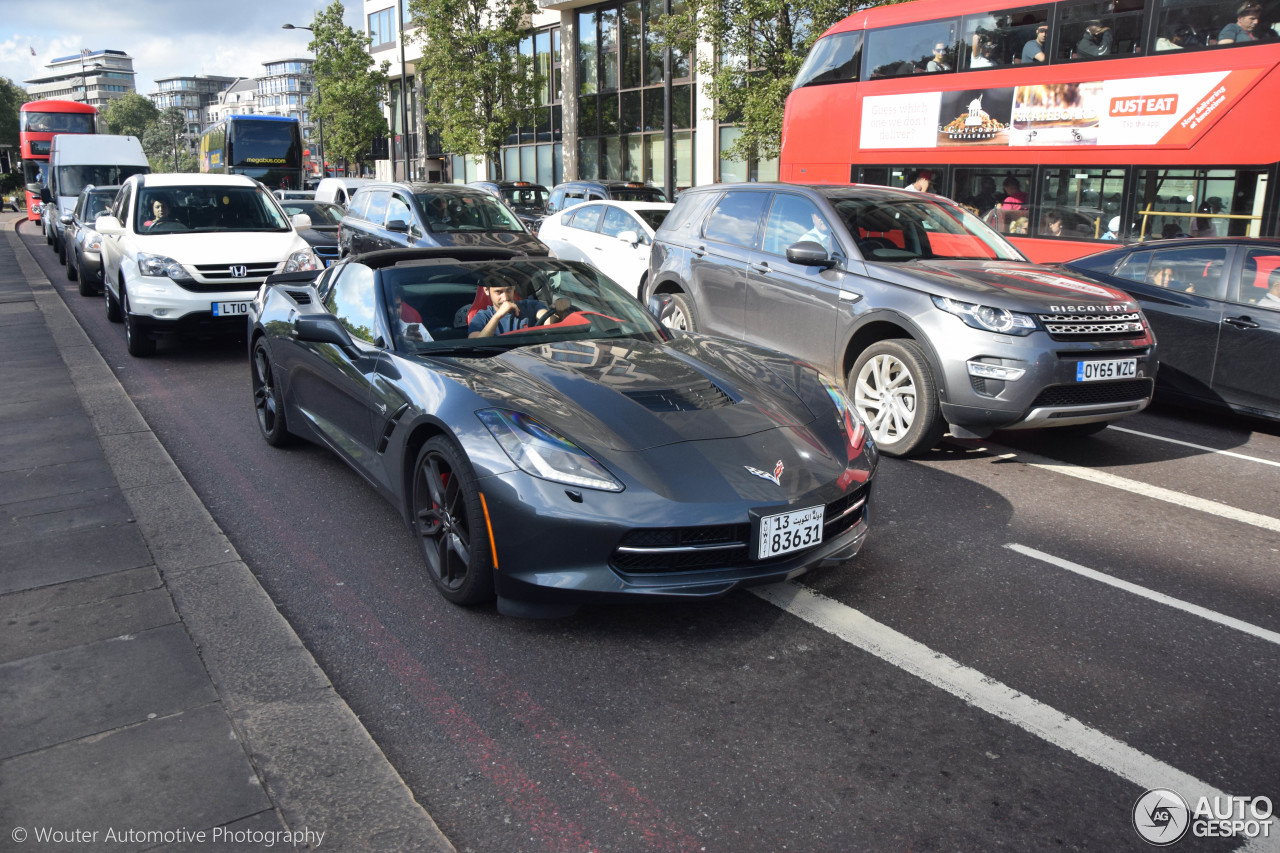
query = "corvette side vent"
{"x": 300, "y": 296}
{"x": 691, "y": 397}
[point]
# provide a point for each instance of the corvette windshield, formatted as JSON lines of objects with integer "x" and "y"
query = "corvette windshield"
{"x": 432, "y": 305}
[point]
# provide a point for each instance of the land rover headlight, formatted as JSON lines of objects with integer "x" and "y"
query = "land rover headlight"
{"x": 988, "y": 318}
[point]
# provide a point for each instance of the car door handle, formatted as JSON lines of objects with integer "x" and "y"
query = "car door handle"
{"x": 1240, "y": 322}
{"x": 699, "y": 251}
{"x": 761, "y": 266}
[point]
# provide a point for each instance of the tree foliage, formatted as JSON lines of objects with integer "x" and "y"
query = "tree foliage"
{"x": 12, "y": 97}
{"x": 476, "y": 84}
{"x": 166, "y": 145}
{"x": 130, "y": 115}
{"x": 350, "y": 91}
{"x": 758, "y": 46}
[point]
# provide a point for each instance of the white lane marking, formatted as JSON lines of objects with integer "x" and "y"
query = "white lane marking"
{"x": 1177, "y": 603}
{"x": 1230, "y": 453}
{"x": 1137, "y": 487}
{"x": 1059, "y": 729}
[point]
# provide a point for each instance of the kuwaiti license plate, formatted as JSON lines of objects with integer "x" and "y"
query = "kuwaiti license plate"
{"x": 1117, "y": 368}
{"x": 230, "y": 309}
{"x": 789, "y": 531}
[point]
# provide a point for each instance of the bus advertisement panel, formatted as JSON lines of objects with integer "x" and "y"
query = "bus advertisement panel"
{"x": 1138, "y": 114}
{"x": 38, "y": 123}
{"x": 266, "y": 148}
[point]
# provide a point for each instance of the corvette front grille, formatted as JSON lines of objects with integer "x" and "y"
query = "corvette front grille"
{"x": 657, "y": 550}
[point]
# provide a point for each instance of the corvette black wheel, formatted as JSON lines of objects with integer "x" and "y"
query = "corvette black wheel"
{"x": 266, "y": 399}
{"x": 449, "y": 521}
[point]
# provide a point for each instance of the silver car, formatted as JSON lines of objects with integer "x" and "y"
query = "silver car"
{"x": 929, "y": 316}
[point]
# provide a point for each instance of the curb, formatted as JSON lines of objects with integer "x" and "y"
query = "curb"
{"x": 317, "y": 762}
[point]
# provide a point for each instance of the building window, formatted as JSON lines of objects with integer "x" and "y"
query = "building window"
{"x": 382, "y": 27}
{"x": 533, "y": 153}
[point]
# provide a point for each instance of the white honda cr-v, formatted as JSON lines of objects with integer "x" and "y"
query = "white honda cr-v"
{"x": 186, "y": 252}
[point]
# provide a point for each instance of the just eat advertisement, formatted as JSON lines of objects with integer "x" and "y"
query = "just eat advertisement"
{"x": 1171, "y": 111}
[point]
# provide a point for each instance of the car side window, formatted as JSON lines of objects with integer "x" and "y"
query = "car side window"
{"x": 588, "y": 217}
{"x": 735, "y": 218}
{"x": 793, "y": 218}
{"x": 572, "y": 198}
{"x": 617, "y": 220}
{"x": 359, "y": 203}
{"x": 398, "y": 208}
{"x": 351, "y": 300}
{"x": 1197, "y": 270}
{"x": 1259, "y": 280}
{"x": 120, "y": 207}
{"x": 376, "y": 212}
{"x": 1134, "y": 266}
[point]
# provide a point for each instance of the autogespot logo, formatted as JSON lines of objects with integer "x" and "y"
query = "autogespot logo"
{"x": 1161, "y": 816}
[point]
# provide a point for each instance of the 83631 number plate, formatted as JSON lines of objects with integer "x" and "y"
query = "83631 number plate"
{"x": 789, "y": 531}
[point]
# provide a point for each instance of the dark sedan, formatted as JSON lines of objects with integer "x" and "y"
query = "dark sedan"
{"x": 589, "y": 454}
{"x": 1214, "y": 305}
{"x": 83, "y": 245}
{"x": 322, "y": 233}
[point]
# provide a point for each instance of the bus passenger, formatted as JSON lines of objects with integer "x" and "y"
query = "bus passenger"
{"x": 1053, "y": 224}
{"x": 987, "y": 197}
{"x": 924, "y": 178}
{"x": 1033, "y": 50}
{"x": 1014, "y": 197}
{"x": 1272, "y": 297}
{"x": 1113, "y": 229}
{"x": 939, "y": 60}
{"x": 1096, "y": 40}
{"x": 1246, "y": 23}
{"x": 982, "y": 53}
{"x": 1178, "y": 40}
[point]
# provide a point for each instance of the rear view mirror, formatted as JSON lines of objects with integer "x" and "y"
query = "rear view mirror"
{"x": 45, "y": 195}
{"x": 301, "y": 220}
{"x": 807, "y": 253}
{"x": 324, "y": 329}
{"x": 629, "y": 237}
{"x": 65, "y": 219}
{"x": 108, "y": 226}
{"x": 399, "y": 226}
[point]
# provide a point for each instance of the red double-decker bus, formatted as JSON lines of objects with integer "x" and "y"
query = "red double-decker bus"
{"x": 1054, "y": 121}
{"x": 38, "y": 123}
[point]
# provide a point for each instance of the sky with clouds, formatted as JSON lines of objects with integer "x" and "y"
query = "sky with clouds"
{"x": 166, "y": 38}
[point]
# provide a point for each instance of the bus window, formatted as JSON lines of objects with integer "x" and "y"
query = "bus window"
{"x": 997, "y": 38}
{"x": 898, "y": 51}
{"x": 834, "y": 59}
{"x": 1073, "y": 201}
{"x": 1096, "y": 29}
{"x": 1199, "y": 202}
{"x": 978, "y": 189}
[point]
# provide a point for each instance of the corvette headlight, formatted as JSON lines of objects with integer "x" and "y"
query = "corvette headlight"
{"x": 988, "y": 318}
{"x": 158, "y": 266}
{"x": 299, "y": 261}
{"x": 851, "y": 426}
{"x": 541, "y": 451}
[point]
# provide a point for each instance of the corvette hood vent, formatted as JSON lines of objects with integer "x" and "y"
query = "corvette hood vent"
{"x": 693, "y": 396}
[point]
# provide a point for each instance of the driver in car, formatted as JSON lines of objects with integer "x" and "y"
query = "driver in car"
{"x": 508, "y": 312}
{"x": 160, "y": 212}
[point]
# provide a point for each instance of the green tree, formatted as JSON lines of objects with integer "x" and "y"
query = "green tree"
{"x": 12, "y": 97}
{"x": 759, "y": 45}
{"x": 131, "y": 115}
{"x": 350, "y": 92}
{"x": 167, "y": 145}
{"x": 477, "y": 85}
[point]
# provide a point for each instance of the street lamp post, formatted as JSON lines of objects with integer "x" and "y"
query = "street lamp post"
{"x": 84, "y": 85}
{"x": 324, "y": 173}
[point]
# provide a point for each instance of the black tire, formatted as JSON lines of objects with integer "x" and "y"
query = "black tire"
{"x": 87, "y": 287}
{"x": 266, "y": 399}
{"x": 449, "y": 522}
{"x": 137, "y": 342}
{"x": 894, "y": 390}
{"x": 72, "y": 272}
{"x": 113, "y": 307}
{"x": 60, "y": 246}
{"x": 48, "y": 237}
{"x": 682, "y": 316}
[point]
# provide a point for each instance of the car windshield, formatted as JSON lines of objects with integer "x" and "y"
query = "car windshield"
{"x": 322, "y": 213}
{"x": 474, "y": 211}
{"x": 73, "y": 179}
{"x": 526, "y": 199}
{"x": 97, "y": 204}
{"x": 895, "y": 229}
{"x": 206, "y": 208}
{"x": 436, "y": 301}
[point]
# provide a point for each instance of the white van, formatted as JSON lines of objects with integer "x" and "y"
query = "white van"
{"x": 77, "y": 160}
{"x": 339, "y": 190}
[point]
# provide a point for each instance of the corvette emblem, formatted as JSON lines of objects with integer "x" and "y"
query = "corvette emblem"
{"x": 774, "y": 478}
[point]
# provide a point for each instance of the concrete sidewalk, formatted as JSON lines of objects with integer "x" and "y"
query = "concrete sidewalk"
{"x": 150, "y": 692}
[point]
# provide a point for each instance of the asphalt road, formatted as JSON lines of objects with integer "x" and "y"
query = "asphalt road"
{"x": 973, "y": 680}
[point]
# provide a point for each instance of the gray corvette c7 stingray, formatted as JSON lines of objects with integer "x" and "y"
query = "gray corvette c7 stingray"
{"x": 589, "y": 454}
